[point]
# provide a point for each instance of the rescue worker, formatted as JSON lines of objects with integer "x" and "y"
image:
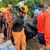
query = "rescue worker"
{"x": 2, "y": 10}
{"x": 36, "y": 13}
{"x": 8, "y": 12}
{"x": 38, "y": 10}
{"x": 2, "y": 44}
{"x": 4, "y": 41}
{"x": 8, "y": 17}
{"x": 43, "y": 25}
{"x": 25, "y": 8}
{"x": 18, "y": 31}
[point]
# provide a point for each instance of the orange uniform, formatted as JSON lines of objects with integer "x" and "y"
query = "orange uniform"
{"x": 43, "y": 25}
{"x": 8, "y": 19}
{"x": 19, "y": 34}
{"x": 19, "y": 39}
{"x": 8, "y": 15}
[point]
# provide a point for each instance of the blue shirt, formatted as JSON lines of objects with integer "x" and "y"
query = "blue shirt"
{"x": 25, "y": 18}
{"x": 37, "y": 11}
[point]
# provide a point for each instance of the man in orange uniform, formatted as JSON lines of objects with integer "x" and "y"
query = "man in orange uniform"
{"x": 18, "y": 31}
{"x": 8, "y": 18}
{"x": 43, "y": 25}
{"x": 25, "y": 8}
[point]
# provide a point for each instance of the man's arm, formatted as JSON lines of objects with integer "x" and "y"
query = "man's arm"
{"x": 47, "y": 31}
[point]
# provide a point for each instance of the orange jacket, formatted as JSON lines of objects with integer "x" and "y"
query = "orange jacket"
{"x": 9, "y": 19}
{"x": 8, "y": 15}
{"x": 40, "y": 22}
{"x": 43, "y": 25}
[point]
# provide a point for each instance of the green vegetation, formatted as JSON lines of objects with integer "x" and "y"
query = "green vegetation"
{"x": 30, "y": 4}
{"x": 5, "y": 2}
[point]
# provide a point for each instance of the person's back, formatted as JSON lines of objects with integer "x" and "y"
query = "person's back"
{"x": 43, "y": 25}
{"x": 41, "y": 21}
{"x": 8, "y": 14}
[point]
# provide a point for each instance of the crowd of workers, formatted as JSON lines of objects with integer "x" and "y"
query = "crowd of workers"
{"x": 12, "y": 26}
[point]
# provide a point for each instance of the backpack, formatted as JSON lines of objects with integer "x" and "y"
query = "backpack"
{"x": 30, "y": 31}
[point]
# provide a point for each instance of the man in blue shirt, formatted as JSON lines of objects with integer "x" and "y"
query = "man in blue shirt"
{"x": 38, "y": 10}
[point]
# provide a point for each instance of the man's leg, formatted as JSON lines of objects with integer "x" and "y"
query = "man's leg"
{"x": 23, "y": 40}
{"x": 41, "y": 41}
{"x": 16, "y": 36}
